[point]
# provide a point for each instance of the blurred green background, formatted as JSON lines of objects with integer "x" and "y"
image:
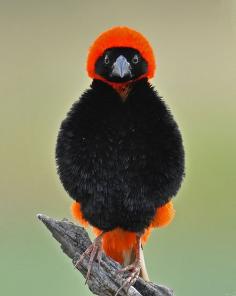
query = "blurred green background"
{"x": 42, "y": 72}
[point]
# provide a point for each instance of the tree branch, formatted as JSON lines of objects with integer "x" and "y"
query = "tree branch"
{"x": 104, "y": 281}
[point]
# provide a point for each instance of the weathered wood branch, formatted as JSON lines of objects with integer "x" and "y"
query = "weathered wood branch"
{"x": 104, "y": 281}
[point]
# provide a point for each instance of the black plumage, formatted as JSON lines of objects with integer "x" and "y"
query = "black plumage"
{"x": 120, "y": 160}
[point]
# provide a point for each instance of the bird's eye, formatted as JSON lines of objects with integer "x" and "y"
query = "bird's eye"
{"x": 135, "y": 59}
{"x": 106, "y": 60}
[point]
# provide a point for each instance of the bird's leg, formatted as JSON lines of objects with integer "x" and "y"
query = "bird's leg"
{"x": 94, "y": 251}
{"x": 134, "y": 268}
{"x": 143, "y": 272}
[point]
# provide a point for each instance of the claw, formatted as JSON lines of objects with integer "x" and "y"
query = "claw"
{"x": 94, "y": 251}
{"x": 135, "y": 269}
{"x": 99, "y": 258}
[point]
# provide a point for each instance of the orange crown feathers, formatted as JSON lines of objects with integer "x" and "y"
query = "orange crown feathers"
{"x": 120, "y": 37}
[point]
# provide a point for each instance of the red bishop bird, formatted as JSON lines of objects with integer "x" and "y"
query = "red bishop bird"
{"x": 119, "y": 152}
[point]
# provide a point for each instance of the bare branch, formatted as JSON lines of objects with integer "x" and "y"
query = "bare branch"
{"x": 104, "y": 281}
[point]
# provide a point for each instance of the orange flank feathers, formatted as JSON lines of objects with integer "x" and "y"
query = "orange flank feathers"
{"x": 120, "y": 37}
{"x": 77, "y": 214}
{"x": 164, "y": 215}
{"x": 117, "y": 241}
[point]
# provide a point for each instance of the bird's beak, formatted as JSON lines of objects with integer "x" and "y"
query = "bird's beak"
{"x": 121, "y": 67}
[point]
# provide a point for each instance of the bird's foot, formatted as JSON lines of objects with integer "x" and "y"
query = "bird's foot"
{"x": 134, "y": 270}
{"x": 94, "y": 251}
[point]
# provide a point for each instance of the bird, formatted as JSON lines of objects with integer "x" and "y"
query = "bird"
{"x": 120, "y": 153}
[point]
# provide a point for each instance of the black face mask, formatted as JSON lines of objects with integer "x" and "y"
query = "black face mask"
{"x": 121, "y": 64}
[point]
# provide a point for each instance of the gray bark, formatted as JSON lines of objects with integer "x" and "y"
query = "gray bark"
{"x": 104, "y": 281}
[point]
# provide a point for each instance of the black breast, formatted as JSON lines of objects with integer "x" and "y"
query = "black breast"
{"x": 120, "y": 160}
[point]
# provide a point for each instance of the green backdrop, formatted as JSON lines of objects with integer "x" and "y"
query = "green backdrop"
{"x": 42, "y": 71}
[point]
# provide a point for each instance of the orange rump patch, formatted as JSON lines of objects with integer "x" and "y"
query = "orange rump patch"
{"x": 117, "y": 241}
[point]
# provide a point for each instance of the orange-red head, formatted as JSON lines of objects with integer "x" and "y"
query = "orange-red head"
{"x": 120, "y": 55}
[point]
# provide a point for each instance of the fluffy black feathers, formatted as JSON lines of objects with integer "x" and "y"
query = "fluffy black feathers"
{"x": 120, "y": 160}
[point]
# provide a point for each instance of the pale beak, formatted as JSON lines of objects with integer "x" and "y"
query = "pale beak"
{"x": 121, "y": 67}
